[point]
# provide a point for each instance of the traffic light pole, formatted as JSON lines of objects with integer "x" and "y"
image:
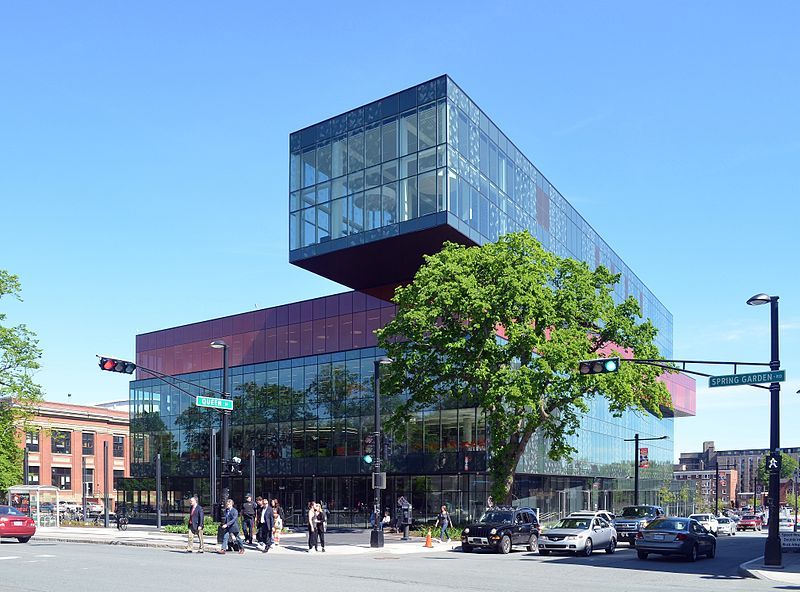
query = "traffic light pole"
{"x": 226, "y": 433}
{"x": 376, "y": 537}
{"x": 772, "y": 548}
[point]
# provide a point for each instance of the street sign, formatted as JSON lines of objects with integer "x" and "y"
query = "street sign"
{"x": 750, "y": 378}
{"x": 214, "y": 403}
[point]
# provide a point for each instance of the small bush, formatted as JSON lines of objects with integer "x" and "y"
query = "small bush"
{"x": 209, "y": 527}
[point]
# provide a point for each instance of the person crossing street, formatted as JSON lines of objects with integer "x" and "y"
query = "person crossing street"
{"x": 248, "y": 517}
{"x": 231, "y": 526}
{"x": 196, "y": 520}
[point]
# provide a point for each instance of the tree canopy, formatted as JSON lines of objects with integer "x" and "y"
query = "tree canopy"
{"x": 19, "y": 358}
{"x": 503, "y": 327}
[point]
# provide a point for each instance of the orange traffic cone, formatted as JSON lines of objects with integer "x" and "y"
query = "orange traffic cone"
{"x": 428, "y": 542}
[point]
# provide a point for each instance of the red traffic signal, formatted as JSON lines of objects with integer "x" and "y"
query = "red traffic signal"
{"x": 114, "y": 365}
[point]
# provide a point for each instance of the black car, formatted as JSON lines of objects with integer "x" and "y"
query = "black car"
{"x": 676, "y": 536}
{"x": 500, "y": 528}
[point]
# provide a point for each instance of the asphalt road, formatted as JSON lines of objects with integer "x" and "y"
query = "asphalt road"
{"x": 63, "y": 567}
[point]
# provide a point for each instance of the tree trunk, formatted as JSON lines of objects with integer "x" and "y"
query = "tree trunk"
{"x": 504, "y": 465}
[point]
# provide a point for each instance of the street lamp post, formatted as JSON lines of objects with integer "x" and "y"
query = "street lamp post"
{"x": 225, "y": 451}
{"x": 376, "y": 536}
{"x": 636, "y": 439}
{"x": 772, "y": 548}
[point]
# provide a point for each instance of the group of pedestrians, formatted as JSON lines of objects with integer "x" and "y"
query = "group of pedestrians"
{"x": 317, "y": 524}
{"x": 262, "y": 519}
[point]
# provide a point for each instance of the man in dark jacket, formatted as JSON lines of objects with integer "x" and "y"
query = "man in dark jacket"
{"x": 248, "y": 516}
{"x": 266, "y": 522}
{"x": 231, "y": 526}
{"x": 195, "y": 524}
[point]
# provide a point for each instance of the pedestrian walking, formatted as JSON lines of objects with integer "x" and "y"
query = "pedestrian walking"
{"x": 231, "y": 526}
{"x": 248, "y": 517}
{"x": 277, "y": 528}
{"x": 444, "y": 519}
{"x": 266, "y": 521}
{"x": 321, "y": 521}
{"x": 311, "y": 522}
{"x": 196, "y": 520}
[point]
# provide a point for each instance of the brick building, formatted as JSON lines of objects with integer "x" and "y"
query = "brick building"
{"x": 61, "y": 436}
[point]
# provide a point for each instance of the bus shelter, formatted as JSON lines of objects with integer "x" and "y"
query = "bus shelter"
{"x": 40, "y": 502}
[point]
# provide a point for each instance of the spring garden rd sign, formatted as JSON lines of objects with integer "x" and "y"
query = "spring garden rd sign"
{"x": 214, "y": 403}
{"x": 751, "y": 378}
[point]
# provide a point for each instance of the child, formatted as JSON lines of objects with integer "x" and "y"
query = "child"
{"x": 276, "y": 530}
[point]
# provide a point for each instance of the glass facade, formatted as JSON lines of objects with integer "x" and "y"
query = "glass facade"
{"x": 371, "y": 173}
{"x": 427, "y": 161}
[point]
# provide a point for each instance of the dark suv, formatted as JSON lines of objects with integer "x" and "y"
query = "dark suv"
{"x": 500, "y": 528}
{"x": 632, "y": 519}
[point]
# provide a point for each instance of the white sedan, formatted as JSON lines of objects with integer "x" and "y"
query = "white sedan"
{"x": 708, "y": 521}
{"x": 579, "y": 535}
{"x": 726, "y": 526}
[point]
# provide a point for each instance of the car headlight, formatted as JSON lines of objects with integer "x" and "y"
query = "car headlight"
{"x": 543, "y": 538}
{"x": 493, "y": 531}
{"x": 466, "y": 531}
{"x": 570, "y": 537}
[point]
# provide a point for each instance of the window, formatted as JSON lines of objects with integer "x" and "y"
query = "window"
{"x": 88, "y": 443}
{"x": 117, "y": 476}
{"x": 61, "y": 478}
{"x": 32, "y": 441}
{"x": 88, "y": 481}
{"x": 60, "y": 442}
{"x": 119, "y": 446}
{"x": 33, "y": 475}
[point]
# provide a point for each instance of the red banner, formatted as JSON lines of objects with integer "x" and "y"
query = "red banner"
{"x": 644, "y": 460}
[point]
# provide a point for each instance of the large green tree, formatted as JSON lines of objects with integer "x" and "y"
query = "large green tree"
{"x": 19, "y": 358}
{"x": 502, "y": 327}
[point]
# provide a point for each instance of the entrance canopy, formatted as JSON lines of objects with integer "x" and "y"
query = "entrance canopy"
{"x": 40, "y": 502}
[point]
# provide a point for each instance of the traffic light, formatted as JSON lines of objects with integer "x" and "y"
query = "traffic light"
{"x": 369, "y": 449}
{"x": 601, "y": 366}
{"x": 114, "y": 365}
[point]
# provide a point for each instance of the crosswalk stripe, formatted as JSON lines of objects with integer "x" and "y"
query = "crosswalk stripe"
{"x": 9, "y": 557}
{"x": 45, "y": 555}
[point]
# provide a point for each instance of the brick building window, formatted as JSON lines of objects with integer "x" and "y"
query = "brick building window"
{"x": 60, "y": 442}
{"x": 32, "y": 441}
{"x": 61, "y": 477}
{"x": 119, "y": 446}
{"x": 88, "y": 443}
{"x": 117, "y": 476}
{"x": 33, "y": 475}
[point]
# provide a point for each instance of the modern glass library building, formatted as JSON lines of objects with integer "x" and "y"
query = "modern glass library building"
{"x": 371, "y": 191}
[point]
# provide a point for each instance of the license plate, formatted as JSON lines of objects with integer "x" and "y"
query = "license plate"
{"x": 658, "y": 537}
{"x": 17, "y": 522}
{"x": 478, "y": 541}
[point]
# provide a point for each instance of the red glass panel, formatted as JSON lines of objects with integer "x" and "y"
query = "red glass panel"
{"x": 318, "y": 336}
{"x": 306, "y": 338}
{"x": 282, "y": 350}
{"x": 294, "y": 340}
{"x": 332, "y": 334}
{"x": 345, "y": 331}
{"x": 359, "y": 329}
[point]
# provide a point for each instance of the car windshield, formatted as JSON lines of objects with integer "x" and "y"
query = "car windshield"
{"x": 750, "y": 517}
{"x": 723, "y": 520}
{"x": 699, "y": 517}
{"x": 636, "y": 512}
{"x": 495, "y": 517}
{"x": 11, "y": 511}
{"x": 668, "y": 524}
{"x": 579, "y": 523}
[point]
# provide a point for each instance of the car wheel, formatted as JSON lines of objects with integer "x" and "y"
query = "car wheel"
{"x": 733, "y": 533}
{"x": 641, "y": 554}
{"x": 466, "y": 548}
{"x": 504, "y": 546}
{"x": 612, "y": 546}
{"x": 23, "y": 539}
{"x": 713, "y": 552}
{"x": 587, "y": 550}
{"x": 692, "y": 554}
{"x": 533, "y": 543}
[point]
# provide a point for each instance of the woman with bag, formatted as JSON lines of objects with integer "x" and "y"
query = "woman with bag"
{"x": 312, "y": 527}
{"x": 321, "y": 520}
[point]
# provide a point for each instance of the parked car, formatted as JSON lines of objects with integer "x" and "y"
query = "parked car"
{"x": 750, "y": 521}
{"x": 676, "y": 536}
{"x": 726, "y": 526}
{"x": 786, "y": 525}
{"x": 94, "y": 508}
{"x": 709, "y": 521}
{"x": 633, "y": 519}
{"x": 579, "y": 535}
{"x": 15, "y": 524}
{"x": 604, "y": 514}
{"x": 500, "y": 529}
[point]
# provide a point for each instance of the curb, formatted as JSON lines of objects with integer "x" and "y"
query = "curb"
{"x": 124, "y": 543}
{"x": 744, "y": 569}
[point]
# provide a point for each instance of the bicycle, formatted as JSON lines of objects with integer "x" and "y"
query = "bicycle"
{"x": 122, "y": 522}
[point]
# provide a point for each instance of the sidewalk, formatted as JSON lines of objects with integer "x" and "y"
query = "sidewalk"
{"x": 347, "y": 543}
{"x": 789, "y": 574}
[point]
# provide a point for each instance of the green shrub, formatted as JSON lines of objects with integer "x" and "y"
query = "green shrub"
{"x": 209, "y": 527}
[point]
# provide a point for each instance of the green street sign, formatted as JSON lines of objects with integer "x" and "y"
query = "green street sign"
{"x": 751, "y": 378}
{"x": 214, "y": 403}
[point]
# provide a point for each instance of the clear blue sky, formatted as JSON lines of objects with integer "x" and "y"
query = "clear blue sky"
{"x": 143, "y": 159}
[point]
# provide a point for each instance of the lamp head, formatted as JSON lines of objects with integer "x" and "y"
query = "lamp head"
{"x": 385, "y": 360}
{"x": 218, "y": 344}
{"x": 759, "y": 299}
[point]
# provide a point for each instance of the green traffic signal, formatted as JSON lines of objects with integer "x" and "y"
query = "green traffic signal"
{"x": 601, "y": 366}
{"x": 368, "y": 459}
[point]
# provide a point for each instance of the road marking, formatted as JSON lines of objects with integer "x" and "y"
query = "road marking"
{"x": 45, "y": 555}
{"x": 10, "y": 557}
